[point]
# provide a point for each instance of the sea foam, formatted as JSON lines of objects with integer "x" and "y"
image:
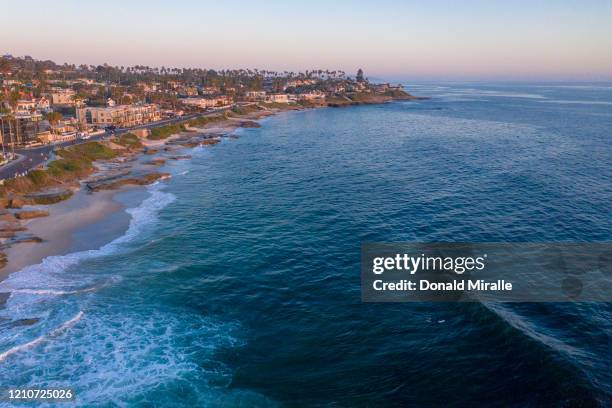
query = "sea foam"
{"x": 33, "y": 288}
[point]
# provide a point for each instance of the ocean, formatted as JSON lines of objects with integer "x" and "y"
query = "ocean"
{"x": 238, "y": 280}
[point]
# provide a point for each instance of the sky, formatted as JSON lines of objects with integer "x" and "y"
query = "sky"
{"x": 417, "y": 40}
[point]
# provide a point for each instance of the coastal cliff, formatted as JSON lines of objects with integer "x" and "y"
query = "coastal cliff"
{"x": 361, "y": 98}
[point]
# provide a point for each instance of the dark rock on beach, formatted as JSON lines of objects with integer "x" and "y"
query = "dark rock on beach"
{"x": 249, "y": 124}
{"x": 50, "y": 196}
{"x": 26, "y": 215}
{"x": 141, "y": 180}
{"x": 158, "y": 161}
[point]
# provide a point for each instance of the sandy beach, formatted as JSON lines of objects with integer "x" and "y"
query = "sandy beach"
{"x": 58, "y": 230}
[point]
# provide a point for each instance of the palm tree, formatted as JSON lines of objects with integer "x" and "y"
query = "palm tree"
{"x": 2, "y": 138}
{"x": 10, "y": 118}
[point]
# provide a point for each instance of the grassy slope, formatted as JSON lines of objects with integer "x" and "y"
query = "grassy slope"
{"x": 73, "y": 163}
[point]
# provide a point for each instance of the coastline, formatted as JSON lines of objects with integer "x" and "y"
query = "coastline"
{"x": 54, "y": 233}
{"x": 57, "y": 230}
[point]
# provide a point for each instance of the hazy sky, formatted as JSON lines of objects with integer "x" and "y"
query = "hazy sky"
{"x": 554, "y": 40}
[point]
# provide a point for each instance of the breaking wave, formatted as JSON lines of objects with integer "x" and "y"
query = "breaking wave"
{"x": 42, "y": 338}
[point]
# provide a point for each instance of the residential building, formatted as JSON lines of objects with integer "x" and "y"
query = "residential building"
{"x": 206, "y": 102}
{"x": 120, "y": 116}
{"x": 25, "y": 105}
{"x": 277, "y": 98}
{"x": 11, "y": 82}
{"x": 60, "y": 96}
{"x": 188, "y": 91}
{"x": 300, "y": 82}
{"x": 85, "y": 81}
{"x": 210, "y": 90}
{"x": 311, "y": 96}
{"x": 255, "y": 95}
{"x": 42, "y": 103}
{"x": 147, "y": 87}
{"x": 21, "y": 129}
{"x": 51, "y": 137}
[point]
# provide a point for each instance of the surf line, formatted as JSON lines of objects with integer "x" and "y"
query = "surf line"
{"x": 58, "y": 292}
{"x": 55, "y": 332}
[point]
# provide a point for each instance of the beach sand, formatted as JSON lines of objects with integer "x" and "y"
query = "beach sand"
{"x": 60, "y": 230}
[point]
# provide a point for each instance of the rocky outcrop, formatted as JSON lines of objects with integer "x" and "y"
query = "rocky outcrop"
{"x": 26, "y": 215}
{"x": 209, "y": 142}
{"x": 25, "y": 239}
{"x": 158, "y": 161}
{"x": 16, "y": 202}
{"x": 132, "y": 180}
{"x": 50, "y": 196}
{"x": 249, "y": 124}
{"x": 19, "y": 239}
{"x": 28, "y": 321}
{"x": 9, "y": 225}
{"x": 190, "y": 141}
{"x": 107, "y": 178}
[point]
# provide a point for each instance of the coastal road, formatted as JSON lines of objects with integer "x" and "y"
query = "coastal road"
{"x": 35, "y": 156}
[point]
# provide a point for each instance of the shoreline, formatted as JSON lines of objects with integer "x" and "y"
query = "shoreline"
{"x": 54, "y": 234}
{"x": 57, "y": 230}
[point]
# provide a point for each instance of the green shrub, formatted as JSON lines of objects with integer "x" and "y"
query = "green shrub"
{"x": 204, "y": 120}
{"x": 60, "y": 167}
{"x": 129, "y": 140}
{"x": 89, "y": 151}
{"x": 164, "y": 132}
{"x": 38, "y": 177}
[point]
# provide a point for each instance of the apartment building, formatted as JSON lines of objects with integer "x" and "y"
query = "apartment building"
{"x": 207, "y": 102}
{"x": 120, "y": 116}
{"x": 21, "y": 129}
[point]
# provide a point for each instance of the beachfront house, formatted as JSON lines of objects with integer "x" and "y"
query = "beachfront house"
{"x": 120, "y": 115}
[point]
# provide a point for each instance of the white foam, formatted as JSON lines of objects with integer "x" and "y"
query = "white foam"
{"x": 54, "y": 292}
{"x": 581, "y": 87}
{"x": 121, "y": 352}
{"x": 502, "y": 94}
{"x": 576, "y": 102}
{"x": 525, "y": 326}
{"x": 450, "y": 97}
{"x": 64, "y": 326}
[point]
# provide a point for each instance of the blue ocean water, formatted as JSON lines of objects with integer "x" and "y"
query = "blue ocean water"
{"x": 237, "y": 283}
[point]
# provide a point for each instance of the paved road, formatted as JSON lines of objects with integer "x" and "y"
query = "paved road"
{"x": 35, "y": 156}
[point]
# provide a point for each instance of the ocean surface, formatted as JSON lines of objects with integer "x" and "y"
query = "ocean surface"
{"x": 238, "y": 283}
